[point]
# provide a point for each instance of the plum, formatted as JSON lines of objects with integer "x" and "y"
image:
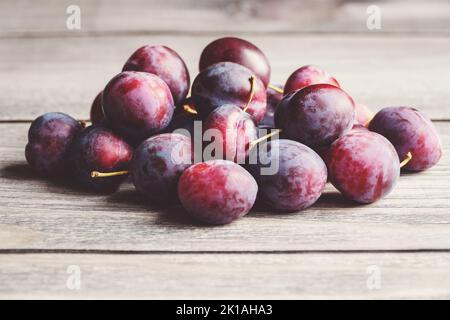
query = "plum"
{"x": 217, "y": 191}
{"x": 409, "y": 131}
{"x": 295, "y": 175}
{"x": 137, "y": 105}
{"x": 235, "y": 130}
{"x": 306, "y": 76}
{"x": 49, "y": 140}
{"x": 99, "y": 149}
{"x": 315, "y": 115}
{"x": 239, "y": 51}
{"x": 166, "y": 64}
{"x": 229, "y": 83}
{"x": 157, "y": 165}
{"x": 363, "y": 165}
{"x": 97, "y": 115}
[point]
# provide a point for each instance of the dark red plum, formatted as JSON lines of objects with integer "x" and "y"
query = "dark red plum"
{"x": 409, "y": 131}
{"x": 99, "y": 149}
{"x": 363, "y": 165}
{"x": 137, "y": 105}
{"x": 274, "y": 97}
{"x": 316, "y": 115}
{"x": 158, "y": 164}
{"x": 217, "y": 191}
{"x": 166, "y": 64}
{"x": 306, "y": 76}
{"x": 97, "y": 116}
{"x": 235, "y": 130}
{"x": 229, "y": 83}
{"x": 238, "y": 51}
{"x": 49, "y": 140}
{"x": 295, "y": 175}
{"x": 363, "y": 114}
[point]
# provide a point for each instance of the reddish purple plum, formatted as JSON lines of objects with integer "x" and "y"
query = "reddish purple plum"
{"x": 295, "y": 175}
{"x": 217, "y": 191}
{"x": 158, "y": 164}
{"x": 137, "y": 105}
{"x": 229, "y": 83}
{"x": 239, "y": 51}
{"x": 316, "y": 115}
{"x": 274, "y": 97}
{"x": 306, "y": 76}
{"x": 363, "y": 165}
{"x": 409, "y": 131}
{"x": 363, "y": 114}
{"x": 49, "y": 140}
{"x": 99, "y": 149}
{"x": 166, "y": 64}
{"x": 235, "y": 130}
{"x": 97, "y": 115}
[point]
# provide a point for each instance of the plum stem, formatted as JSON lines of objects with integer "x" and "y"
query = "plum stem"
{"x": 189, "y": 109}
{"x": 82, "y": 123}
{"x": 252, "y": 92}
{"x": 275, "y": 88}
{"x": 263, "y": 138}
{"x": 406, "y": 160}
{"x": 96, "y": 174}
{"x": 366, "y": 124}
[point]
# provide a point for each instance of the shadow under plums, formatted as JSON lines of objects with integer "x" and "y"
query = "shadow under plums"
{"x": 18, "y": 171}
{"x": 329, "y": 199}
{"x": 23, "y": 172}
{"x": 334, "y": 199}
{"x": 169, "y": 215}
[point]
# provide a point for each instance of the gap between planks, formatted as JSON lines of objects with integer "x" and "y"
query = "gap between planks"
{"x": 218, "y": 33}
{"x": 193, "y": 252}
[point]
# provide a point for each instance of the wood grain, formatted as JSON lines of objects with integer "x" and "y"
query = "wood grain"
{"x": 48, "y": 17}
{"x": 65, "y": 74}
{"x": 38, "y": 214}
{"x": 221, "y": 276}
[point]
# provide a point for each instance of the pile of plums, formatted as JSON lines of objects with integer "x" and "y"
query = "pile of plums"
{"x": 144, "y": 125}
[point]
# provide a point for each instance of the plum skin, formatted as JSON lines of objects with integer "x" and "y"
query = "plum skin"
{"x": 228, "y": 83}
{"x": 363, "y": 165}
{"x": 99, "y": 149}
{"x": 306, "y": 76}
{"x": 409, "y": 131}
{"x": 137, "y": 105}
{"x": 157, "y": 165}
{"x": 315, "y": 115}
{"x": 236, "y": 129}
{"x": 299, "y": 181}
{"x": 217, "y": 191}
{"x": 50, "y": 138}
{"x": 239, "y": 51}
{"x": 166, "y": 64}
{"x": 97, "y": 115}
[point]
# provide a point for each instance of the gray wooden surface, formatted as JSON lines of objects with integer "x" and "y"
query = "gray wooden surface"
{"x": 125, "y": 247}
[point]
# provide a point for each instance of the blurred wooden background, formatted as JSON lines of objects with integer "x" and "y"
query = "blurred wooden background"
{"x": 127, "y": 248}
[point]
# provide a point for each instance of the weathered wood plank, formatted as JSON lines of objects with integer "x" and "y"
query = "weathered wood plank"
{"x": 237, "y": 276}
{"x": 65, "y": 74}
{"x": 37, "y": 214}
{"x": 262, "y": 16}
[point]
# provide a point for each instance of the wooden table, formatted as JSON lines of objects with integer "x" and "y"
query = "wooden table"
{"x": 122, "y": 247}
